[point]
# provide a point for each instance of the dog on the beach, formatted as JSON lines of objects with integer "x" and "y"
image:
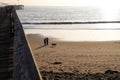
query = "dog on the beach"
{"x": 53, "y": 45}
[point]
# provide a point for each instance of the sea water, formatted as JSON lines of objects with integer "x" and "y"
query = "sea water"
{"x": 72, "y": 23}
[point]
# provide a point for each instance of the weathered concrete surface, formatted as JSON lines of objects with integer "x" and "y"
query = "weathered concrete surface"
{"x": 6, "y": 46}
{"x": 16, "y": 59}
{"x": 24, "y": 63}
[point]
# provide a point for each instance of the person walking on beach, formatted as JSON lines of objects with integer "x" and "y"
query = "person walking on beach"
{"x": 46, "y": 41}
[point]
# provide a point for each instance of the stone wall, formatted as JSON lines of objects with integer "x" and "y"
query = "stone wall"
{"x": 24, "y": 63}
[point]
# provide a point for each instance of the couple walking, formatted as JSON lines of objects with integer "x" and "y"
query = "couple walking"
{"x": 46, "y": 41}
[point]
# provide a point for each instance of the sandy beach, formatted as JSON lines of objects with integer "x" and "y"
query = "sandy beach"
{"x": 82, "y": 57}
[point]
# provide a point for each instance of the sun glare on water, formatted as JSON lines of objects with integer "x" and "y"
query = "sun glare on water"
{"x": 110, "y": 13}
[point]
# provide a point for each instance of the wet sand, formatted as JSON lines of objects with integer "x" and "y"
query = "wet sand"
{"x": 72, "y": 57}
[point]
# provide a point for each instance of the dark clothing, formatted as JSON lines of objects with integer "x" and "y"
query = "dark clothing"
{"x": 46, "y": 41}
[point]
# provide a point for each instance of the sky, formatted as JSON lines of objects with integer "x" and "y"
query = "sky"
{"x": 99, "y": 3}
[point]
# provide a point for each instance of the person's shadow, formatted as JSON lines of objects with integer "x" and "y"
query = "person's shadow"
{"x": 40, "y": 47}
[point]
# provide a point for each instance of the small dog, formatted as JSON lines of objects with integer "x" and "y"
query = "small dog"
{"x": 53, "y": 45}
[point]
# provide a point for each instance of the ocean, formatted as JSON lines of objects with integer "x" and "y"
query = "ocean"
{"x": 72, "y": 23}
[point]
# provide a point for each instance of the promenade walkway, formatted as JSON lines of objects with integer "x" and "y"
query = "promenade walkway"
{"x": 6, "y": 46}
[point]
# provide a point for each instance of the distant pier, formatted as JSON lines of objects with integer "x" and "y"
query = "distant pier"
{"x": 19, "y": 7}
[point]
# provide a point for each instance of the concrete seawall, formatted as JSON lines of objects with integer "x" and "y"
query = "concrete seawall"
{"x": 6, "y": 46}
{"x": 25, "y": 67}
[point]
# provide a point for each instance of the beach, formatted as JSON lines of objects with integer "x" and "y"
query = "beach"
{"x": 82, "y": 57}
{"x": 77, "y": 49}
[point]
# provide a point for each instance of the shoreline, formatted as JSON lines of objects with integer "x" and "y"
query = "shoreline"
{"x": 77, "y": 35}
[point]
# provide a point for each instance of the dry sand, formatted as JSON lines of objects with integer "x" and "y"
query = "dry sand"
{"x": 82, "y": 57}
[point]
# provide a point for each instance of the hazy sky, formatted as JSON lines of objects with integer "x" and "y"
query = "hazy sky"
{"x": 101, "y": 3}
